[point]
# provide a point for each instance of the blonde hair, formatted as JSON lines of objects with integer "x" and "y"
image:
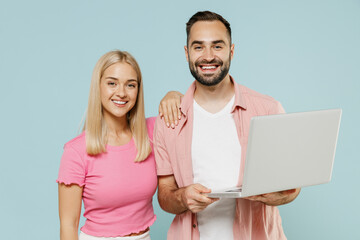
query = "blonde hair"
{"x": 95, "y": 126}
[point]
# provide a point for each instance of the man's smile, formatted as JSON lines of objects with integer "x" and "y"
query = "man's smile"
{"x": 208, "y": 67}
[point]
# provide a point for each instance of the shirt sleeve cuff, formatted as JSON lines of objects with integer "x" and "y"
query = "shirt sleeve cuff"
{"x": 164, "y": 171}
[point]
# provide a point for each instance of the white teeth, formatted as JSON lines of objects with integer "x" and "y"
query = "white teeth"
{"x": 208, "y": 67}
{"x": 118, "y": 102}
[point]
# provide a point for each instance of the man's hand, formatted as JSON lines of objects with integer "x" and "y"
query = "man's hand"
{"x": 194, "y": 199}
{"x": 177, "y": 200}
{"x": 169, "y": 108}
{"x": 276, "y": 198}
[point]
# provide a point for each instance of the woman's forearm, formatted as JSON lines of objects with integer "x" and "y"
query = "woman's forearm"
{"x": 69, "y": 210}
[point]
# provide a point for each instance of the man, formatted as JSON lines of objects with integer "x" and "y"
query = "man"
{"x": 207, "y": 149}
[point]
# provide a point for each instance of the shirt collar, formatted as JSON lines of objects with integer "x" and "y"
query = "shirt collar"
{"x": 239, "y": 96}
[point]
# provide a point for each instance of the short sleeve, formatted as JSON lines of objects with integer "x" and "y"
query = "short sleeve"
{"x": 72, "y": 167}
{"x": 163, "y": 165}
{"x": 277, "y": 109}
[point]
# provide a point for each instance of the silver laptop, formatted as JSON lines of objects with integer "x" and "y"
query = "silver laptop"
{"x": 287, "y": 151}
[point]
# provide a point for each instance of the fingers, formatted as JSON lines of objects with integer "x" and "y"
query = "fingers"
{"x": 175, "y": 113}
{"x": 169, "y": 108}
{"x": 279, "y": 194}
{"x": 274, "y": 198}
{"x": 290, "y": 191}
{"x": 160, "y": 111}
{"x": 163, "y": 112}
{"x": 195, "y": 200}
{"x": 258, "y": 198}
{"x": 196, "y": 206}
{"x": 170, "y": 112}
{"x": 202, "y": 189}
{"x": 195, "y": 192}
{"x": 176, "y": 110}
{"x": 265, "y": 197}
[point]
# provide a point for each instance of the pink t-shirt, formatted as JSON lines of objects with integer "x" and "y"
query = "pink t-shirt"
{"x": 117, "y": 192}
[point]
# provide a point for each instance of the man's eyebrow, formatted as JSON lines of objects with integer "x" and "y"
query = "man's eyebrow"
{"x": 213, "y": 42}
{"x": 196, "y": 42}
{"x": 218, "y": 41}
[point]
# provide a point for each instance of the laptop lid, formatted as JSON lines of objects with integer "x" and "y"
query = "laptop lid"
{"x": 289, "y": 151}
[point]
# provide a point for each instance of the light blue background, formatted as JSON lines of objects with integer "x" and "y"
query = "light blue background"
{"x": 306, "y": 54}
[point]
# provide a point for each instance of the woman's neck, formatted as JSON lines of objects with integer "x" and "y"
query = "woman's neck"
{"x": 118, "y": 130}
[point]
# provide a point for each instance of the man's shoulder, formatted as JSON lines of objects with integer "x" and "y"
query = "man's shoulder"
{"x": 167, "y": 133}
{"x": 160, "y": 125}
{"x": 258, "y": 103}
{"x": 252, "y": 95}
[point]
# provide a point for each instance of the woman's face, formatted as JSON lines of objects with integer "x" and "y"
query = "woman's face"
{"x": 118, "y": 89}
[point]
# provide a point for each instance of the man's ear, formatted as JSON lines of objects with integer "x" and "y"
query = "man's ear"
{"x": 232, "y": 51}
{"x": 186, "y": 53}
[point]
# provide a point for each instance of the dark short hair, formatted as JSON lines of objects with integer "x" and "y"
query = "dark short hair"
{"x": 206, "y": 16}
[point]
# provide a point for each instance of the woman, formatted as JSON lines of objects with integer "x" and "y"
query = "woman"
{"x": 110, "y": 166}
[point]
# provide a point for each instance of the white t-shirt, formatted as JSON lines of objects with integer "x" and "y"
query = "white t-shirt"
{"x": 216, "y": 154}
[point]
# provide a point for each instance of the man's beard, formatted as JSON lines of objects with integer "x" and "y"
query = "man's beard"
{"x": 210, "y": 79}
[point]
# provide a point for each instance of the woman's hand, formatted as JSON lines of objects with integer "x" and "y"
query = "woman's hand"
{"x": 169, "y": 108}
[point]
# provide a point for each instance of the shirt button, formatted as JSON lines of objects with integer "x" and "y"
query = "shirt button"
{"x": 194, "y": 225}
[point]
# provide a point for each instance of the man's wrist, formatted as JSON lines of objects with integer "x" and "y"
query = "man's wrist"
{"x": 181, "y": 199}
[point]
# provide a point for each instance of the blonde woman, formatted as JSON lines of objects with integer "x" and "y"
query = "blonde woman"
{"x": 110, "y": 166}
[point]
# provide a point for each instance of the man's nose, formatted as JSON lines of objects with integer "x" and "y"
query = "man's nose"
{"x": 208, "y": 54}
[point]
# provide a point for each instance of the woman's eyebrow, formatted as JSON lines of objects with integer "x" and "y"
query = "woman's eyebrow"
{"x": 132, "y": 80}
{"x": 113, "y": 78}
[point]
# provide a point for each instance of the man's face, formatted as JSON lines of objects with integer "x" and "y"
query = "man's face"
{"x": 209, "y": 52}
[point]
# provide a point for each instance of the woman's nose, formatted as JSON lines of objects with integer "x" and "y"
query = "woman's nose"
{"x": 121, "y": 91}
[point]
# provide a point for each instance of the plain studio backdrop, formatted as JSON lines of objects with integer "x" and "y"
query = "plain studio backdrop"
{"x": 306, "y": 54}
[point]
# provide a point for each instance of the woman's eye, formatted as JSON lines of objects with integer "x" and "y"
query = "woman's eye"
{"x": 132, "y": 85}
{"x": 111, "y": 84}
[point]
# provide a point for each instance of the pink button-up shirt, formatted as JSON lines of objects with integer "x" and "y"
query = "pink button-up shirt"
{"x": 253, "y": 220}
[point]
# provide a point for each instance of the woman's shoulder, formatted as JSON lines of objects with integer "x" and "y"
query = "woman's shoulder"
{"x": 77, "y": 143}
{"x": 150, "y": 123}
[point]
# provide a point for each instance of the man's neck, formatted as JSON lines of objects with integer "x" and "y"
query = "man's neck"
{"x": 214, "y": 98}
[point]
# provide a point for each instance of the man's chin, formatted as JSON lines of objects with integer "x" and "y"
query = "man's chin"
{"x": 207, "y": 79}
{"x": 208, "y": 82}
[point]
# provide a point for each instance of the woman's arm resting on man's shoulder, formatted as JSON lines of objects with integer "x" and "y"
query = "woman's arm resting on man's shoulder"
{"x": 70, "y": 197}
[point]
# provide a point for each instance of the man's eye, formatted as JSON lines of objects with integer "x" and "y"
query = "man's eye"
{"x": 197, "y": 48}
{"x": 218, "y": 47}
